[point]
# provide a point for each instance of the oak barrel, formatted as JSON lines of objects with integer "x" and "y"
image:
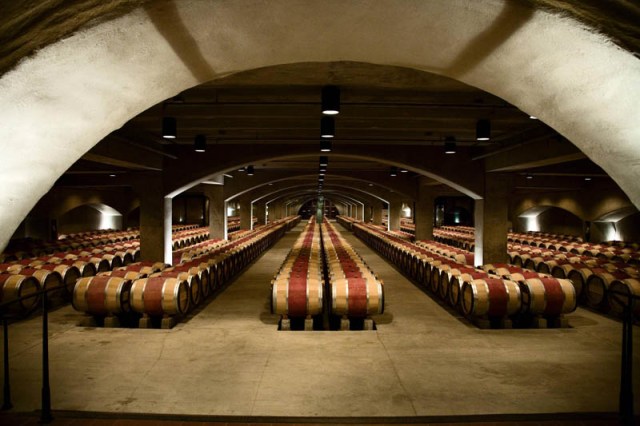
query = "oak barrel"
{"x": 102, "y": 295}
{"x": 548, "y": 296}
{"x": 297, "y": 296}
{"x": 617, "y": 302}
{"x": 14, "y": 286}
{"x": 492, "y": 297}
{"x": 160, "y": 296}
{"x": 357, "y": 297}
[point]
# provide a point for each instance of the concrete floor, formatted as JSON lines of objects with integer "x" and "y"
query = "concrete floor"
{"x": 229, "y": 359}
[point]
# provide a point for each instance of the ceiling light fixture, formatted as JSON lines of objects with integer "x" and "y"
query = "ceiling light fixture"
{"x": 587, "y": 178}
{"x": 483, "y": 130}
{"x": 450, "y": 145}
{"x": 404, "y": 171}
{"x": 533, "y": 117}
{"x": 529, "y": 176}
{"x": 393, "y": 171}
{"x": 330, "y": 100}
{"x": 324, "y": 161}
{"x": 200, "y": 143}
{"x": 113, "y": 175}
{"x": 325, "y": 145}
{"x": 327, "y": 127}
{"x": 250, "y": 170}
{"x": 169, "y": 128}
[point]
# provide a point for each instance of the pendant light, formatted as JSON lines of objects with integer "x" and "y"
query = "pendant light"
{"x": 325, "y": 145}
{"x": 250, "y": 170}
{"x": 483, "y": 130}
{"x": 200, "y": 143}
{"x": 327, "y": 127}
{"x": 450, "y": 145}
{"x": 169, "y": 128}
{"x": 330, "y": 100}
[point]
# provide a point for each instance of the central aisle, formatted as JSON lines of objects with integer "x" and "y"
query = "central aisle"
{"x": 229, "y": 359}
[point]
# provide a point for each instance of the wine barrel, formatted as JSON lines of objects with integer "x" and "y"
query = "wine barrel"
{"x": 548, "y": 296}
{"x": 357, "y": 297}
{"x": 560, "y": 270}
{"x": 123, "y": 273}
{"x": 493, "y": 297}
{"x": 102, "y": 295}
{"x": 159, "y": 296}
{"x": 456, "y": 283}
{"x": 14, "y": 286}
{"x": 195, "y": 286}
{"x": 69, "y": 273}
{"x": 297, "y": 296}
{"x": 201, "y": 269}
{"x": 48, "y": 280}
{"x": 597, "y": 285}
{"x": 11, "y": 268}
{"x": 446, "y": 276}
{"x": 617, "y": 302}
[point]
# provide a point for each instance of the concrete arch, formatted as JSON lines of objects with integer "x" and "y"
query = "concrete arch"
{"x": 89, "y": 216}
{"x": 552, "y": 219}
{"x": 61, "y": 101}
{"x": 235, "y": 190}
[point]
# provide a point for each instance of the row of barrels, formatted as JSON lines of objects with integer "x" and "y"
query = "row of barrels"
{"x": 96, "y": 239}
{"x": 595, "y": 280}
{"x": 477, "y": 293}
{"x": 197, "y": 250}
{"x": 463, "y": 240}
{"x": 297, "y": 289}
{"x": 461, "y": 256}
{"x": 27, "y": 276}
{"x": 158, "y": 290}
{"x": 356, "y": 292}
{"x": 186, "y": 238}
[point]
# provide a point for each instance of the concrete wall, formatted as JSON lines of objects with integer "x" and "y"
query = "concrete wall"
{"x": 87, "y": 218}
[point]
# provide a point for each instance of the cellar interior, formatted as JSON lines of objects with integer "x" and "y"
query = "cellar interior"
{"x": 222, "y": 147}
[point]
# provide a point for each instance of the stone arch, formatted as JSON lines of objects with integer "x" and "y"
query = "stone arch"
{"x": 88, "y": 217}
{"x": 61, "y": 101}
{"x": 551, "y": 219}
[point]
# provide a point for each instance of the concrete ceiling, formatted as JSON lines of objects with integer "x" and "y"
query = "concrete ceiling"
{"x": 382, "y": 108}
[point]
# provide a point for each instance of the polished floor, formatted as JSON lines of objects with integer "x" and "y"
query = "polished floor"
{"x": 229, "y": 363}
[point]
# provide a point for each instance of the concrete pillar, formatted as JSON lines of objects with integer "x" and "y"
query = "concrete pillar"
{"x": 217, "y": 211}
{"x": 368, "y": 214}
{"x": 259, "y": 212}
{"x": 155, "y": 219}
{"x": 491, "y": 221}
{"x": 376, "y": 213}
{"x": 245, "y": 214}
{"x": 395, "y": 211}
{"x": 423, "y": 213}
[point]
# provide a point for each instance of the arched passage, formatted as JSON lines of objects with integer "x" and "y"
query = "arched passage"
{"x": 63, "y": 100}
{"x": 89, "y": 217}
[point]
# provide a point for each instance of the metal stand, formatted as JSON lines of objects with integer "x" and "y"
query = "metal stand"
{"x": 6, "y": 405}
{"x": 45, "y": 415}
{"x": 626, "y": 380}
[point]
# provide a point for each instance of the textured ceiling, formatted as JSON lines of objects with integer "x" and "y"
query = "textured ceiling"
{"x": 28, "y": 25}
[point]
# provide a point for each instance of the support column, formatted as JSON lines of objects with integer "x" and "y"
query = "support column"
{"x": 367, "y": 213}
{"x": 155, "y": 219}
{"x": 423, "y": 213}
{"x": 491, "y": 221}
{"x": 376, "y": 213}
{"x": 245, "y": 214}
{"x": 259, "y": 212}
{"x": 217, "y": 211}
{"x": 395, "y": 211}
